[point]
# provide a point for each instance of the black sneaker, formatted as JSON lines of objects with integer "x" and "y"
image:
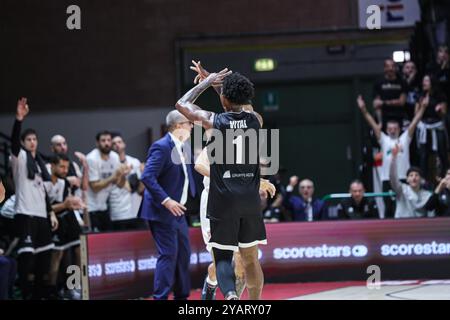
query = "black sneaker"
{"x": 231, "y": 295}
{"x": 208, "y": 291}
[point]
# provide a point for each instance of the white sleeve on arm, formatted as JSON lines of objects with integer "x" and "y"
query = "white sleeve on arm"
{"x": 165, "y": 200}
{"x": 93, "y": 170}
{"x": 405, "y": 139}
{"x": 77, "y": 170}
{"x": 382, "y": 141}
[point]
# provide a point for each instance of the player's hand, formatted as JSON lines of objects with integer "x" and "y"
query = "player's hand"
{"x": 293, "y": 181}
{"x": 53, "y": 221}
{"x": 377, "y": 103}
{"x": 125, "y": 169}
{"x": 74, "y": 181}
{"x": 267, "y": 187}
{"x": 74, "y": 203}
{"x": 175, "y": 208}
{"x": 395, "y": 150}
{"x": 439, "y": 108}
{"x": 361, "y": 103}
{"x": 216, "y": 79}
{"x": 202, "y": 74}
{"x": 22, "y": 109}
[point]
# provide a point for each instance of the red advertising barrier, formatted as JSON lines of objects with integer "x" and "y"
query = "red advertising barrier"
{"x": 120, "y": 265}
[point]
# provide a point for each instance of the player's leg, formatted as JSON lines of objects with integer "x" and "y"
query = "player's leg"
{"x": 225, "y": 273}
{"x": 182, "y": 284}
{"x": 252, "y": 232}
{"x": 44, "y": 246}
{"x": 56, "y": 256}
{"x": 239, "y": 272}
{"x": 54, "y": 270}
{"x": 210, "y": 284}
{"x": 253, "y": 272}
{"x": 166, "y": 240}
{"x": 25, "y": 232}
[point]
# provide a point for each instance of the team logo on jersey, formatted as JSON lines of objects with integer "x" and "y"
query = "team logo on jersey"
{"x": 227, "y": 174}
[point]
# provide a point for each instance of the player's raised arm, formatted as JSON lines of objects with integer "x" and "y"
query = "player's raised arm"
{"x": 193, "y": 112}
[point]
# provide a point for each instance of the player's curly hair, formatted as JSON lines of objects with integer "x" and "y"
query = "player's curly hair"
{"x": 238, "y": 89}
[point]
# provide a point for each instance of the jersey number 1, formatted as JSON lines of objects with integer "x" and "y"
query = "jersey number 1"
{"x": 239, "y": 154}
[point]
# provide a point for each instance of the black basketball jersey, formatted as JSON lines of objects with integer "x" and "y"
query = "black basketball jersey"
{"x": 234, "y": 166}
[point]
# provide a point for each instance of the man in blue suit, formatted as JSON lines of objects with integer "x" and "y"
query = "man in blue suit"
{"x": 169, "y": 184}
{"x": 304, "y": 207}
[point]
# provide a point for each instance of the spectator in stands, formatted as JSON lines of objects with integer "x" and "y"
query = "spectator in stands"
{"x": 105, "y": 171}
{"x": 357, "y": 206}
{"x": 440, "y": 69}
{"x": 435, "y": 16}
{"x": 66, "y": 203}
{"x": 387, "y": 143}
{"x": 8, "y": 266}
{"x": 124, "y": 202}
{"x": 390, "y": 96}
{"x": 411, "y": 197}
{"x": 440, "y": 200}
{"x": 413, "y": 88}
{"x": 304, "y": 207}
{"x": 431, "y": 129}
{"x": 34, "y": 219}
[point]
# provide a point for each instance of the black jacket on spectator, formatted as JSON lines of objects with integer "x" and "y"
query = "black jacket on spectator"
{"x": 441, "y": 75}
{"x": 391, "y": 90}
{"x": 367, "y": 209}
{"x": 413, "y": 89}
{"x": 440, "y": 203}
{"x": 430, "y": 115}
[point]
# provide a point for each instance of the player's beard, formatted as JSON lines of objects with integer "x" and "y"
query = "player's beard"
{"x": 105, "y": 150}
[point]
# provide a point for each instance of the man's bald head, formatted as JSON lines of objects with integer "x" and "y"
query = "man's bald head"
{"x": 59, "y": 144}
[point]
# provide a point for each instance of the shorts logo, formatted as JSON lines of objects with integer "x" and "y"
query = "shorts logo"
{"x": 227, "y": 174}
{"x": 28, "y": 239}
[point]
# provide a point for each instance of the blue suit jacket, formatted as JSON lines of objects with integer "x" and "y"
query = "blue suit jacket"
{"x": 297, "y": 206}
{"x": 163, "y": 178}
